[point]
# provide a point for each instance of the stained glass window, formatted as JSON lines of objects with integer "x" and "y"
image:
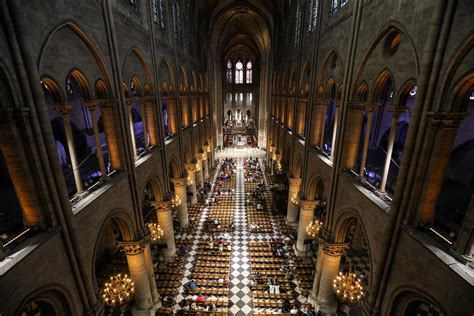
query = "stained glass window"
{"x": 159, "y": 17}
{"x": 239, "y": 72}
{"x": 249, "y": 72}
{"x": 313, "y": 15}
{"x": 229, "y": 71}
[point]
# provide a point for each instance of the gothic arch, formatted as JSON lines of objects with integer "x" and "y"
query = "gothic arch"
{"x": 140, "y": 70}
{"x": 153, "y": 181}
{"x": 297, "y": 167}
{"x": 404, "y": 295}
{"x": 175, "y": 170}
{"x": 315, "y": 188}
{"x": 331, "y": 67}
{"x": 55, "y": 295}
{"x": 188, "y": 156}
{"x": 166, "y": 77}
{"x": 70, "y": 26}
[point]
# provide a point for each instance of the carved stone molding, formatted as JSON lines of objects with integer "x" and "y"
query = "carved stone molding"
{"x": 308, "y": 205}
{"x": 63, "y": 108}
{"x": 163, "y": 206}
{"x": 190, "y": 167}
{"x": 446, "y": 119}
{"x": 179, "y": 182}
{"x": 131, "y": 248}
{"x": 333, "y": 249}
{"x": 357, "y": 106}
{"x": 296, "y": 182}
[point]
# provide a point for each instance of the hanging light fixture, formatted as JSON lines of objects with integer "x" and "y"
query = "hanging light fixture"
{"x": 118, "y": 291}
{"x": 295, "y": 199}
{"x": 155, "y": 232}
{"x": 189, "y": 181}
{"x": 348, "y": 287}
{"x": 175, "y": 201}
{"x": 313, "y": 228}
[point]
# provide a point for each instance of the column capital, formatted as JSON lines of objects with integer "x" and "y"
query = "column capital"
{"x": 333, "y": 249}
{"x": 63, "y": 108}
{"x": 294, "y": 181}
{"x": 109, "y": 103}
{"x": 163, "y": 206}
{"x": 92, "y": 104}
{"x": 190, "y": 167}
{"x": 7, "y": 114}
{"x": 179, "y": 182}
{"x": 373, "y": 106}
{"x": 321, "y": 102}
{"x": 308, "y": 205}
{"x": 357, "y": 106}
{"x": 446, "y": 119}
{"x": 337, "y": 103}
{"x": 198, "y": 156}
{"x": 397, "y": 111}
{"x": 132, "y": 248}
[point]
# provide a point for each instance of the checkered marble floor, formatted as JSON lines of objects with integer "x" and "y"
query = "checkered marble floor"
{"x": 240, "y": 295}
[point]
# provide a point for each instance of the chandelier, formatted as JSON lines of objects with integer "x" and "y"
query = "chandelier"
{"x": 118, "y": 290}
{"x": 348, "y": 288}
{"x": 155, "y": 232}
{"x": 175, "y": 201}
{"x": 189, "y": 181}
{"x": 295, "y": 199}
{"x": 313, "y": 228}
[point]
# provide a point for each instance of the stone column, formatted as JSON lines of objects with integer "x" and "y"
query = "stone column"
{"x": 306, "y": 216}
{"x": 182, "y": 210}
{"x": 151, "y": 120}
{"x": 100, "y": 156}
{"x": 191, "y": 169}
{"x": 184, "y": 100}
{"x": 352, "y": 138}
{"x": 172, "y": 115}
{"x": 64, "y": 110}
{"x": 165, "y": 220}
{"x": 334, "y": 129}
{"x": 318, "y": 122}
{"x": 107, "y": 109}
{"x": 317, "y": 273}
{"x": 443, "y": 128}
{"x": 293, "y": 189}
{"x": 135, "y": 252}
{"x": 199, "y": 175}
{"x": 131, "y": 127}
{"x": 207, "y": 105}
{"x": 370, "y": 115}
{"x": 330, "y": 268}
{"x": 15, "y": 158}
{"x": 194, "y": 100}
{"x": 323, "y": 125}
{"x": 151, "y": 274}
{"x": 290, "y": 112}
{"x": 301, "y": 113}
{"x": 391, "y": 140}
{"x": 144, "y": 123}
{"x": 201, "y": 106}
{"x": 205, "y": 166}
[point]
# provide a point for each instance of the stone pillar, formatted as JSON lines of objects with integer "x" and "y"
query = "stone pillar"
{"x": 199, "y": 175}
{"x": 185, "y": 110}
{"x": 194, "y": 111}
{"x": 323, "y": 124}
{"x": 391, "y": 140}
{"x": 370, "y": 115}
{"x": 282, "y": 109}
{"x": 334, "y": 129}
{"x": 293, "y": 189}
{"x": 443, "y": 128}
{"x": 325, "y": 301}
{"x": 135, "y": 252}
{"x": 207, "y": 105}
{"x": 107, "y": 109}
{"x": 151, "y": 274}
{"x": 172, "y": 115}
{"x": 131, "y": 127}
{"x": 317, "y": 273}
{"x": 182, "y": 210}
{"x": 151, "y": 120}
{"x": 290, "y": 112}
{"x": 201, "y": 106}
{"x": 318, "y": 121}
{"x": 15, "y": 158}
{"x": 144, "y": 123}
{"x": 64, "y": 110}
{"x": 191, "y": 169}
{"x": 165, "y": 220}
{"x": 100, "y": 156}
{"x": 205, "y": 166}
{"x": 352, "y": 138}
{"x": 301, "y": 113}
{"x": 306, "y": 216}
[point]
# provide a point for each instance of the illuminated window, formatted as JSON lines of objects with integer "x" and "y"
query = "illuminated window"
{"x": 313, "y": 15}
{"x": 239, "y": 72}
{"x": 337, "y": 4}
{"x": 159, "y": 13}
{"x": 229, "y": 71}
{"x": 249, "y": 72}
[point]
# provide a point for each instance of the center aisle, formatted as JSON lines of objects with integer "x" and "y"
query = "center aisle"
{"x": 240, "y": 295}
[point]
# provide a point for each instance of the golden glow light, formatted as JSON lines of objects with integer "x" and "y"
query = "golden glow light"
{"x": 313, "y": 228}
{"x": 295, "y": 199}
{"x": 348, "y": 288}
{"x": 189, "y": 181}
{"x": 118, "y": 291}
{"x": 155, "y": 232}
{"x": 175, "y": 201}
